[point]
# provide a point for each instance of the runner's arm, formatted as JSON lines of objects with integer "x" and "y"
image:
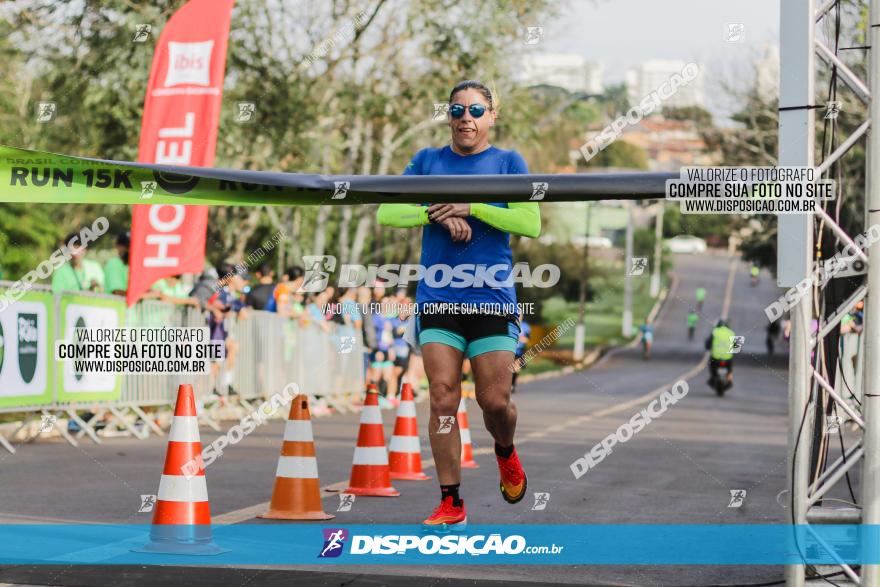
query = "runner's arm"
{"x": 402, "y": 215}
{"x": 520, "y": 218}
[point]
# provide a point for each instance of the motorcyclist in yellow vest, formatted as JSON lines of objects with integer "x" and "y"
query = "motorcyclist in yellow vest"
{"x": 720, "y": 345}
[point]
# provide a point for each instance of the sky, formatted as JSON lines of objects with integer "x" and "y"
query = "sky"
{"x": 622, "y": 33}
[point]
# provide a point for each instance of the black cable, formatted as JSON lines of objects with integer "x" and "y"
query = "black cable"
{"x": 797, "y": 444}
{"x": 807, "y": 107}
{"x": 843, "y": 456}
{"x": 852, "y": 394}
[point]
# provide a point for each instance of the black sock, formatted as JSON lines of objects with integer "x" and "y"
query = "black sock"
{"x": 451, "y": 491}
{"x": 503, "y": 452}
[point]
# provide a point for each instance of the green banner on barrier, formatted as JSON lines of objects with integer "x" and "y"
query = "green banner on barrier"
{"x": 79, "y": 311}
{"x": 40, "y": 177}
{"x": 27, "y": 334}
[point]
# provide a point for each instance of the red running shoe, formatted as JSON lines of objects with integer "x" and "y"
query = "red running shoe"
{"x": 513, "y": 478}
{"x": 446, "y": 518}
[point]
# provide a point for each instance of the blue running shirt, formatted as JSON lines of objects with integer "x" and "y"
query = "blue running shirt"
{"x": 488, "y": 246}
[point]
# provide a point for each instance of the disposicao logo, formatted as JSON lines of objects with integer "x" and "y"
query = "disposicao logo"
{"x": 334, "y": 541}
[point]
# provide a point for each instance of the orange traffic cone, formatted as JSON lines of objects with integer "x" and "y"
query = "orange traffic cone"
{"x": 467, "y": 449}
{"x": 297, "y": 493}
{"x": 182, "y": 518}
{"x": 370, "y": 474}
{"x": 405, "y": 452}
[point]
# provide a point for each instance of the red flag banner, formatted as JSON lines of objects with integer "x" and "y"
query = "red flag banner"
{"x": 179, "y": 127}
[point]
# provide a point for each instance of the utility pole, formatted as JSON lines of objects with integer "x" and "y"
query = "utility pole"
{"x": 627, "y": 325}
{"x": 871, "y": 400}
{"x": 811, "y": 386}
{"x": 658, "y": 248}
{"x": 796, "y": 140}
{"x": 581, "y": 328}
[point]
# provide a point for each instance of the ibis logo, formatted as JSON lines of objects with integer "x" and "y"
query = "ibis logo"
{"x": 189, "y": 63}
{"x": 28, "y": 341}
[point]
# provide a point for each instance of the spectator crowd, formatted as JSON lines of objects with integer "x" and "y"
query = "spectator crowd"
{"x": 375, "y": 315}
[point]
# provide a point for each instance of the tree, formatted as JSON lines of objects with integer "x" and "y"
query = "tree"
{"x": 700, "y": 116}
{"x": 336, "y": 90}
{"x": 27, "y": 233}
{"x": 618, "y": 155}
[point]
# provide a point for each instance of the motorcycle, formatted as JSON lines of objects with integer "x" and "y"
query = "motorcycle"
{"x": 721, "y": 383}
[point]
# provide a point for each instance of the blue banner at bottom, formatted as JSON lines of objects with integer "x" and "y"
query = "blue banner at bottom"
{"x": 309, "y": 544}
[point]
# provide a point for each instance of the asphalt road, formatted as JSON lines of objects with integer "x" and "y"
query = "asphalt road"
{"x": 680, "y": 469}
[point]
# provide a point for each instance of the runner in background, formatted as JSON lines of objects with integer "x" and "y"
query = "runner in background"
{"x": 701, "y": 297}
{"x": 692, "y": 319}
{"x": 647, "y": 330}
{"x": 772, "y": 334}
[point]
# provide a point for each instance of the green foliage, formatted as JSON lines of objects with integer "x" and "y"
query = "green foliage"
{"x": 700, "y": 116}
{"x": 714, "y": 227}
{"x": 615, "y": 100}
{"x": 760, "y": 247}
{"x": 27, "y": 234}
{"x": 572, "y": 266}
{"x": 618, "y": 155}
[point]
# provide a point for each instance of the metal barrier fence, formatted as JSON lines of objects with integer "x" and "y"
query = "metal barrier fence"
{"x": 265, "y": 352}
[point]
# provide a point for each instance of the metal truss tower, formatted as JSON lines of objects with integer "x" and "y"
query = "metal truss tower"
{"x": 813, "y": 394}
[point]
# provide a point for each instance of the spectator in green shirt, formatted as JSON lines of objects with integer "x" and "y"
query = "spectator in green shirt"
{"x": 78, "y": 274}
{"x": 173, "y": 291}
{"x": 116, "y": 269}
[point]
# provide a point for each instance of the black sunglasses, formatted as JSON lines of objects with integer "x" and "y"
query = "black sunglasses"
{"x": 475, "y": 110}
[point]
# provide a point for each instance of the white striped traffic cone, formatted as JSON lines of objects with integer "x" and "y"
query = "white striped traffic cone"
{"x": 297, "y": 493}
{"x": 182, "y": 518}
{"x": 467, "y": 449}
{"x": 370, "y": 474}
{"x": 405, "y": 451}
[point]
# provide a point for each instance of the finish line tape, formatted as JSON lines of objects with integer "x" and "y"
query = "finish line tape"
{"x": 50, "y": 178}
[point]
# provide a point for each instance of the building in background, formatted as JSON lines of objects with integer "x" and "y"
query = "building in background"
{"x": 569, "y": 71}
{"x": 670, "y": 144}
{"x": 567, "y": 223}
{"x": 647, "y": 77}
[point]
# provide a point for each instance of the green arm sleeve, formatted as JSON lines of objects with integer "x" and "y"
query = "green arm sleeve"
{"x": 520, "y": 218}
{"x": 402, "y": 215}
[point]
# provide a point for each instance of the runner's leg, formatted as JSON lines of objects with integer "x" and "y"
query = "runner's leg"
{"x": 443, "y": 368}
{"x": 493, "y": 378}
{"x": 492, "y": 375}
